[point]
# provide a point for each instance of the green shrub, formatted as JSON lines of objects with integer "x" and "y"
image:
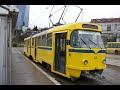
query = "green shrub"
{"x": 14, "y": 44}
{"x": 20, "y": 45}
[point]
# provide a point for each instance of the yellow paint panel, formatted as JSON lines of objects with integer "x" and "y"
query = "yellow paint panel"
{"x": 44, "y": 55}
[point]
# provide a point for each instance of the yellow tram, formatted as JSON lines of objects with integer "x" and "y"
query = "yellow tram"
{"x": 69, "y": 50}
{"x": 113, "y": 47}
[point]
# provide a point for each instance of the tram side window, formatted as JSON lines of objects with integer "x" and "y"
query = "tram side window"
{"x": 114, "y": 45}
{"x": 109, "y": 46}
{"x": 44, "y": 40}
{"x": 118, "y": 45}
{"x": 33, "y": 42}
{"x": 49, "y": 39}
{"x": 39, "y": 41}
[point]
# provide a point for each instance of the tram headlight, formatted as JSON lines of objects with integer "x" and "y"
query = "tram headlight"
{"x": 104, "y": 61}
{"x": 85, "y": 62}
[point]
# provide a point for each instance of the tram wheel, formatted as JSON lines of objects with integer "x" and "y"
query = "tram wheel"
{"x": 116, "y": 52}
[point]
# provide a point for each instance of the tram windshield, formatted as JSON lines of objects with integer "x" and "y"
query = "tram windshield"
{"x": 86, "y": 39}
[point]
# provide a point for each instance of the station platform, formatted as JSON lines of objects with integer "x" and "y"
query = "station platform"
{"x": 24, "y": 73}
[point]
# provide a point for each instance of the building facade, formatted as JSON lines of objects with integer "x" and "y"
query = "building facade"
{"x": 23, "y": 17}
{"x": 109, "y": 26}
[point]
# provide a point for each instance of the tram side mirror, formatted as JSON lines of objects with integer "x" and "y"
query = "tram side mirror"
{"x": 68, "y": 42}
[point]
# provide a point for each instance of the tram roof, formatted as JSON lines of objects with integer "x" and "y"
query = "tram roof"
{"x": 27, "y": 38}
{"x": 70, "y": 26}
{"x": 41, "y": 33}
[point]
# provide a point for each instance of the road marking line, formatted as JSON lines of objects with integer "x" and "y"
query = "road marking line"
{"x": 47, "y": 75}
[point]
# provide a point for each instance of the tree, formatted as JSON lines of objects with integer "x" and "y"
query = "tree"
{"x": 35, "y": 28}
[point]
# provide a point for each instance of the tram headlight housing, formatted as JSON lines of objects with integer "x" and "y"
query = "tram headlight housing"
{"x": 104, "y": 61}
{"x": 85, "y": 62}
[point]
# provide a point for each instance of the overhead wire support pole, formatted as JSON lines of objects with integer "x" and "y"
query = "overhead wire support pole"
{"x": 62, "y": 14}
{"x": 78, "y": 7}
{"x": 50, "y": 16}
{"x": 58, "y": 10}
{"x": 50, "y": 21}
{"x": 79, "y": 13}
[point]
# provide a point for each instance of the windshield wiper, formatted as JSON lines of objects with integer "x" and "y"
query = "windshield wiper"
{"x": 85, "y": 43}
{"x": 94, "y": 43}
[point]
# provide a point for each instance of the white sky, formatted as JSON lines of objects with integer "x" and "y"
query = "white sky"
{"x": 89, "y": 12}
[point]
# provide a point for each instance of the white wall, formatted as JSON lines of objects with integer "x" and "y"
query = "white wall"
{"x": 3, "y": 11}
{"x": 3, "y": 47}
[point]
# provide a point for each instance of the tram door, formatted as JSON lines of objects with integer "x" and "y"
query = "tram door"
{"x": 27, "y": 45}
{"x": 35, "y": 47}
{"x": 60, "y": 52}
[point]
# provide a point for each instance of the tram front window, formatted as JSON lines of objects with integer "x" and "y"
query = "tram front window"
{"x": 86, "y": 39}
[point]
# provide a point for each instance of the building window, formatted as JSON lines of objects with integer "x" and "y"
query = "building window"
{"x": 108, "y": 27}
{"x": 44, "y": 40}
{"x": 115, "y": 27}
{"x": 49, "y": 39}
{"x": 39, "y": 41}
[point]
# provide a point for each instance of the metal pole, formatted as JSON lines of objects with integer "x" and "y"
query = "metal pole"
{"x": 10, "y": 46}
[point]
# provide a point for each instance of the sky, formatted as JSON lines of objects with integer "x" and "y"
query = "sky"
{"x": 39, "y": 14}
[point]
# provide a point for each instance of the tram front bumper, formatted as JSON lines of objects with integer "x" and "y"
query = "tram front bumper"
{"x": 87, "y": 67}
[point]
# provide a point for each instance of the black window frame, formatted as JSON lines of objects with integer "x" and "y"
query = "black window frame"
{"x": 44, "y": 43}
{"x": 32, "y": 42}
{"x": 39, "y": 41}
{"x": 49, "y": 39}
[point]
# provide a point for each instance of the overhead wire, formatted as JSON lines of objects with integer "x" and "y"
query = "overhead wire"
{"x": 62, "y": 13}
{"x": 65, "y": 13}
{"x": 58, "y": 10}
{"x": 41, "y": 14}
{"x": 79, "y": 13}
{"x": 62, "y": 16}
{"x": 51, "y": 14}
